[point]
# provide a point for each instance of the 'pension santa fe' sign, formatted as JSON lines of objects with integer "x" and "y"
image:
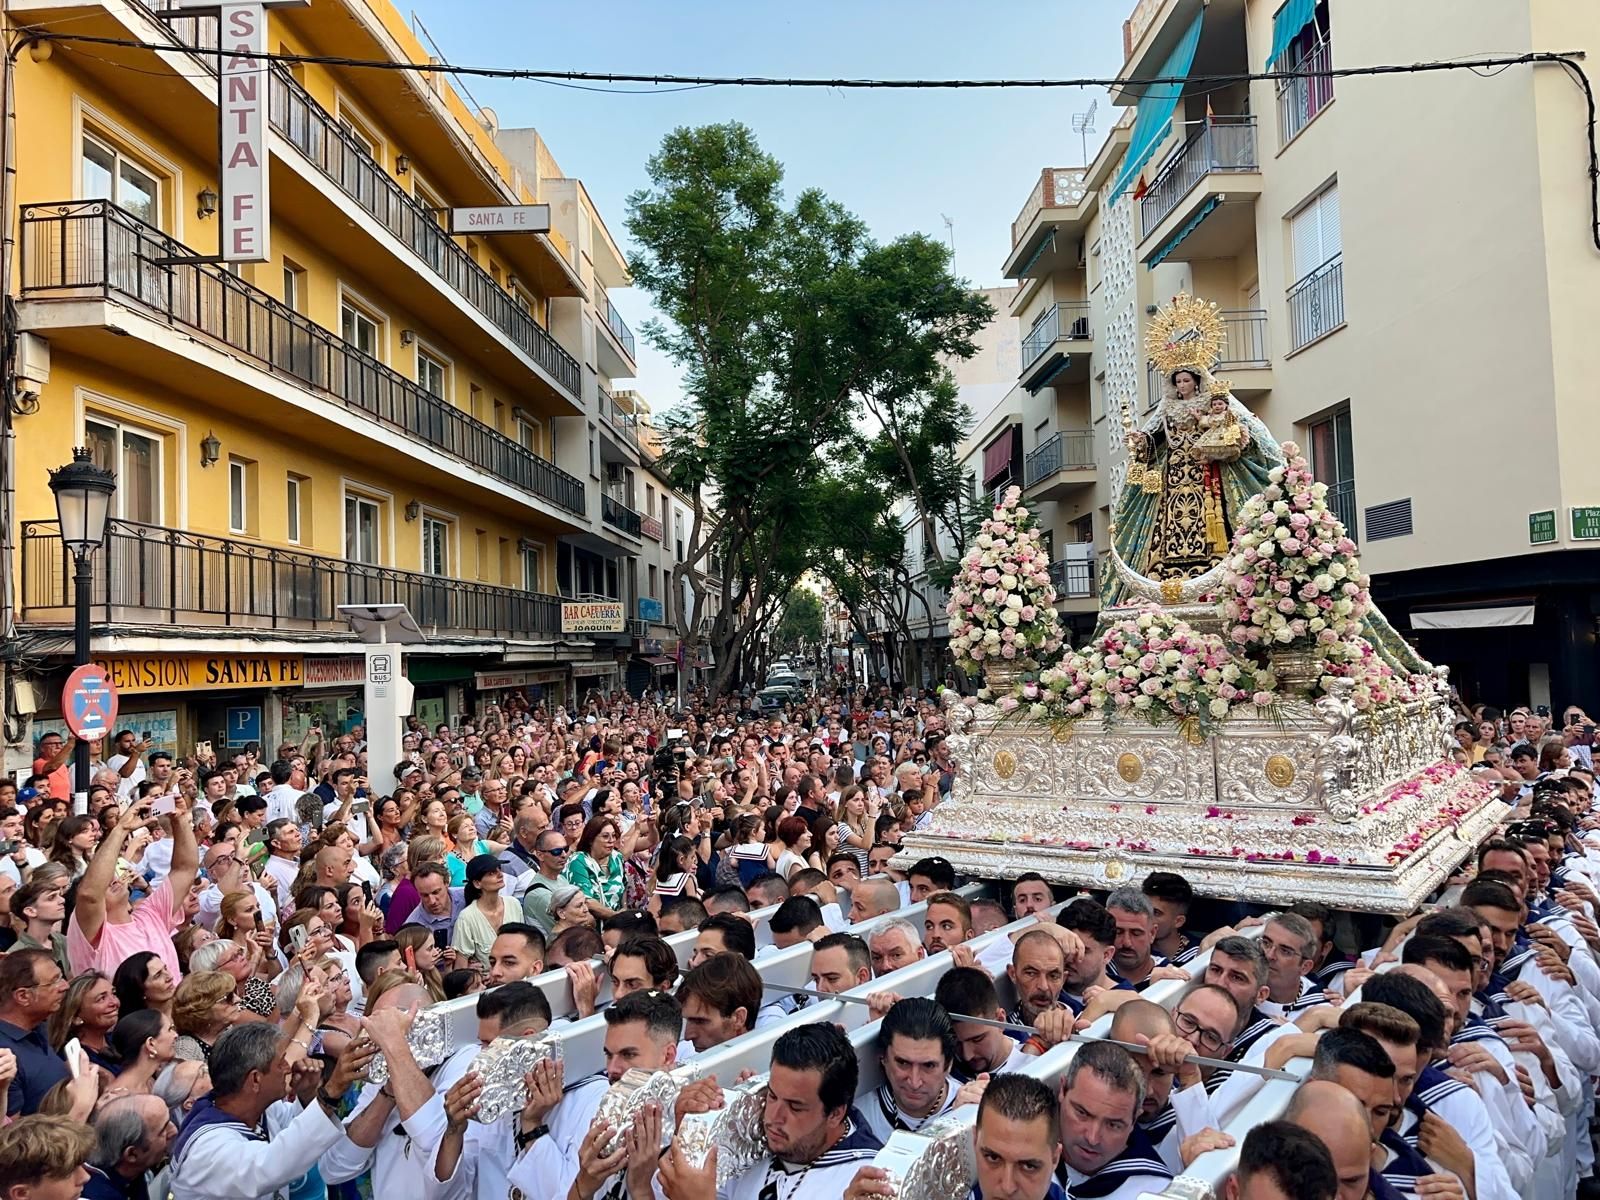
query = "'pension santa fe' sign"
{"x": 244, "y": 203}
{"x": 501, "y": 218}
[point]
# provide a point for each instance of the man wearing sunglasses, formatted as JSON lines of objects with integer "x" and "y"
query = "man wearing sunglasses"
{"x": 536, "y": 887}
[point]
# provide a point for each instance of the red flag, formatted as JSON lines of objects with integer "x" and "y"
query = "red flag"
{"x": 1140, "y": 188}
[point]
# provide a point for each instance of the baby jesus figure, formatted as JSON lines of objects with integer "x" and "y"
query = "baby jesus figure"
{"x": 1221, "y": 435}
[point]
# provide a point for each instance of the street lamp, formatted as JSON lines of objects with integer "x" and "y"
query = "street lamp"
{"x": 83, "y": 500}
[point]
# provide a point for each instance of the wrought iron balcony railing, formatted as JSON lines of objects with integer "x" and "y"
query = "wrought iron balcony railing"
{"x": 1225, "y": 143}
{"x": 152, "y": 575}
{"x": 615, "y": 512}
{"x": 1316, "y": 303}
{"x": 1074, "y": 578}
{"x": 347, "y": 163}
{"x": 93, "y": 247}
{"x": 1067, "y": 319}
{"x": 1068, "y": 450}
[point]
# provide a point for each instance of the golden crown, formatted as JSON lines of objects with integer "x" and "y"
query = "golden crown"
{"x": 1186, "y": 333}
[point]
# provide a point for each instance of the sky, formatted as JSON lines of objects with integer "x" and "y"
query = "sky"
{"x": 902, "y": 160}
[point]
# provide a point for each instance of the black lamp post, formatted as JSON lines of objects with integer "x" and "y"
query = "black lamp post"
{"x": 83, "y": 501}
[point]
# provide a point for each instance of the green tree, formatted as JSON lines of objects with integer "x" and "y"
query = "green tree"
{"x": 786, "y": 319}
{"x": 802, "y": 622}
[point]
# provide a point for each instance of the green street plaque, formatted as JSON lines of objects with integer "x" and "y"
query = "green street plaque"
{"x": 1586, "y": 523}
{"x": 1542, "y": 527}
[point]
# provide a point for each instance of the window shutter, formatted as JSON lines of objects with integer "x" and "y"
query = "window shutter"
{"x": 1305, "y": 239}
{"x": 1332, "y": 236}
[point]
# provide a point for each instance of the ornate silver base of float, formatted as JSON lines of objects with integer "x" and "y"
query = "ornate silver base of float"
{"x": 1307, "y": 802}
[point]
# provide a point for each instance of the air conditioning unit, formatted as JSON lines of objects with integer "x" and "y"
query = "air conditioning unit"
{"x": 614, "y": 473}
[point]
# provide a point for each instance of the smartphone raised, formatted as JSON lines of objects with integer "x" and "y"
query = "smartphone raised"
{"x": 297, "y": 937}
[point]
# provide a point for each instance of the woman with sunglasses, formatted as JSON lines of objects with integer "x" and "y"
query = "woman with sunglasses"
{"x": 204, "y": 1007}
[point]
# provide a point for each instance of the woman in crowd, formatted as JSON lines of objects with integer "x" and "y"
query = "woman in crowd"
{"x": 421, "y": 957}
{"x": 487, "y": 908}
{"x": 189, "y": 939}
{"x": 88, "y": 1012}
{"x": 570, "y": 909}
{"x": 425, "y": 848}
{"x": 794, "y": 839}
{"x": 596, "y": 868}
{"x": 73, "y": 843}
{"x": 466, "y": 845}
{"x": 144, "y": 1041}
{"x": 204, "y": 1006}
{"x": 143, "y": 981}
{"x": 242, "y": 963}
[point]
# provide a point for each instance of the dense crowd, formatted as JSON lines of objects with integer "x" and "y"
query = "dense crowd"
{"x": 201, "y": 971}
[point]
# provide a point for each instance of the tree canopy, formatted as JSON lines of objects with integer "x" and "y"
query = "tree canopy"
{"x": 813, "y": 360}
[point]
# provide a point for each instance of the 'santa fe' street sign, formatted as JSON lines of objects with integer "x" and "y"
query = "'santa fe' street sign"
{"x": 501, "y": 218}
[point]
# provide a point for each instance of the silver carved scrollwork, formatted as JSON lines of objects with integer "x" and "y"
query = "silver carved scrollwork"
{"x": 1340, "y": 755}
{"x": 1188, "y": 1187}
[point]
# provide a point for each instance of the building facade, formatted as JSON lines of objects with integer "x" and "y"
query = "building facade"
{"x": 1362, "y": 274}
{"x": 381, "y": 411}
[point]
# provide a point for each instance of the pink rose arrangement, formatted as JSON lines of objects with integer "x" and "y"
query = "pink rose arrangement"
{"x": 1155, "y": 666}
{"x": 1002, "y": 603}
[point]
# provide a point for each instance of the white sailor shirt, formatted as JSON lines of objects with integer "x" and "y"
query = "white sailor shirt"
{"x": 882, "y": 1114}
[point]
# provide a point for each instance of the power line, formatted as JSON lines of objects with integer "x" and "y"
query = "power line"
{"x": 1569, "y": 60}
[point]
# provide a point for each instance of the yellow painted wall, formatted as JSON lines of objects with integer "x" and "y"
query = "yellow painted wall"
{"x": 61, "y": 104}
{"x": 195, "y": 498}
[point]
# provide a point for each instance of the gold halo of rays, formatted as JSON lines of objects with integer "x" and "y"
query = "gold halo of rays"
{"x": 1189, "y": 332}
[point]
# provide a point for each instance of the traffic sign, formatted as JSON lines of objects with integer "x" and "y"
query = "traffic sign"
{"x": 89, "y": 703}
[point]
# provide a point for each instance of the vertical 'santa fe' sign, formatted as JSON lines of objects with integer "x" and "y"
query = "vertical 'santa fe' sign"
{"x": 242, "y": 120}
{"x": 243, "y": 103}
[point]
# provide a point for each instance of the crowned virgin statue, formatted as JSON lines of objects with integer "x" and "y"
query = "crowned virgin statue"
{"x": 1191, "y": 467}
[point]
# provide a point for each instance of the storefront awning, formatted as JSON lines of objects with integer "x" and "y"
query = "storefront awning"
{"x": 658, "y": 660}
{"x": 1287, "y": 23}
{"x": 1499, "y": 617}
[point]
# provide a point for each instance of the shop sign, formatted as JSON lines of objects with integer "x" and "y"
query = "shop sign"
{"x": 331, "y": 670}
{"x": 650, "y": 647}
{"x": 134, "y": 673}
{"x": 593, "y": 668}
{"x": 593, "y": 616}
{"x": 1542, "y": 527}
{"x": 498, "y": 681}
{"x": 651, "y": 609}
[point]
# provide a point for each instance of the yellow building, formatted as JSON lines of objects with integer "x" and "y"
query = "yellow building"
{"x": 381, "y": 412}
{"x": 1408, "y": 276}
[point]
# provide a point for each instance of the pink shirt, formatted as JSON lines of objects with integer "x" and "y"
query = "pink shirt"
{"x": 154, "y": 920}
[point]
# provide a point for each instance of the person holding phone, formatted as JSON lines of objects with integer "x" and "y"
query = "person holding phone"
{"x": 106, "y": 927}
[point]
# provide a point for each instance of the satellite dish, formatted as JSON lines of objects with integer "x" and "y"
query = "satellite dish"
{"x": 490, "y": 119}
{"x": 377, "y": 624}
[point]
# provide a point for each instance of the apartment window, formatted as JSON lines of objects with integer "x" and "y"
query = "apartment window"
{"x": 532, "y": 568}
{"x": 653, "y": 572}
{"x": 1316, "y": 301}
{"x": 431, "y": 374}
{"x": 1333, "y": 462}
{"x": 594, "y": 469}
{"x": 436, "y": 547}
{"x": 294, "y": 513}
{"x": 133, "y": 455}
{"x": 294, "y": 286}
{"x": 110, "y": 174}
{"x": 527, "y": 436}
{"x": 361, "y": 329}
{"x": 677, "y": 531}
{"x": 481, "y": 537}
{"x": 362, "y": 524}
{"x": 1309, "y": 54}
{"x": 238, "y": 496}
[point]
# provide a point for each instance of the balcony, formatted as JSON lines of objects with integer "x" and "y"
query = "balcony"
{"x": 342, "y": 160}
{"x": 1300, "y": 99}
{"x": 1202, "y": 204}
{"x": 1047, "y": 234}
{"x": 616, "y": 345}
{"x": 152, "y": 575}
{"x": 1316, "y": 304}
{"x": 93, "y": 250}
{"x": 1342, "y": 503}
{"x": 618, "y": 515}
{"x": 623, "y": 423}
{"x": 1062, "y": 463}
{"x": 1074, "y": 578}
{"x": 1058, "y": 346}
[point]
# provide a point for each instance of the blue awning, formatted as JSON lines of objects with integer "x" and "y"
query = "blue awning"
{"x": 1154, "y": 119}
{"x": 1287, "y": 23}
{"x": 1189, "y": 227}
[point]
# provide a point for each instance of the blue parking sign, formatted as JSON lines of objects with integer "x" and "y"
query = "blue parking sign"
{"x": 244, "y": 725}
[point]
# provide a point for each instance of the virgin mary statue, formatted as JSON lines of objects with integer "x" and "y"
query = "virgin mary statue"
{"x": 1192, "y": 465}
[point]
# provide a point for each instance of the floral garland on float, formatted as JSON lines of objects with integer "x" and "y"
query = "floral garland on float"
{"x": 1002, "y": 612}
{"x": 1294, "y": 596}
